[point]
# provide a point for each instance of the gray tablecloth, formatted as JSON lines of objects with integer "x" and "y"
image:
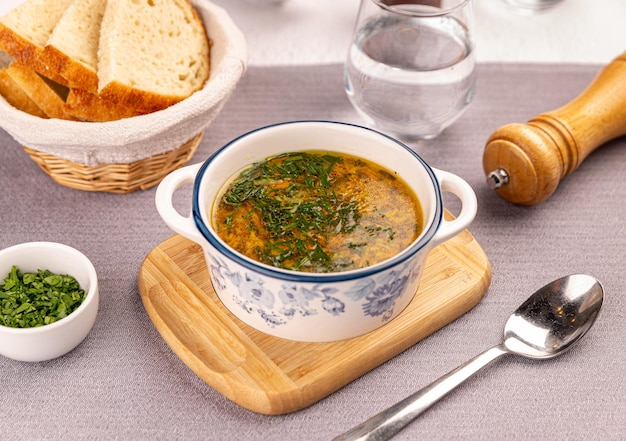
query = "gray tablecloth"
{"x": 123, "y": 381}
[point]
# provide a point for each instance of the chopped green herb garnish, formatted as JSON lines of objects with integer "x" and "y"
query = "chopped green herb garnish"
{"x": 317, "y": 212}
{"x": 297, "y": 205}
{"x": 28, "y": 300}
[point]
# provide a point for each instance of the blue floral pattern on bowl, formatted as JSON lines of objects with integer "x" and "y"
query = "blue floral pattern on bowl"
{"x": 377, "y": 295}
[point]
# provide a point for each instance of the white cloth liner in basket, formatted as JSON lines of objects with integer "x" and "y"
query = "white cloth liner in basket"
{"x": 131, "y": 139}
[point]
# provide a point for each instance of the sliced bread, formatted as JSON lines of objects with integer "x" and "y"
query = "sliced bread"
{"x": 152, "y": 53}
{"x": 15, "y": 96}
{"x": 24, "y": 32}
{"x": 87, "y": 106}
{"x": 47, "y": 95}
{"x": 72, "y": 48}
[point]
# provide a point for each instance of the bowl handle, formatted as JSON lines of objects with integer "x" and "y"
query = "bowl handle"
{"x": 451, "y": 183}
{"x": 183, "y": 225}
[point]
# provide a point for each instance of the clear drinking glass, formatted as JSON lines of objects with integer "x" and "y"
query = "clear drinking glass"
{"x": 410, "y": 69}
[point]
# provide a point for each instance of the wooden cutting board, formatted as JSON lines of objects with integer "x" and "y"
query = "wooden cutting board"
{"x": 269, "y": 375}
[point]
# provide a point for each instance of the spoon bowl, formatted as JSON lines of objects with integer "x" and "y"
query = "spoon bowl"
{"x": 546, "y": 325}
{"x": 554, "y": 317}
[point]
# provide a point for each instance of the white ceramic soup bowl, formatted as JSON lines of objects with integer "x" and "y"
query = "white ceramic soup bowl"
{"x": 305, "y": 306}
{"x": 50, "y": 341}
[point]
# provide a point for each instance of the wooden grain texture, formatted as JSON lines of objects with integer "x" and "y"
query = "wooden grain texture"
{"x": 538, "y": 154}
{"x": 269, "y": 375}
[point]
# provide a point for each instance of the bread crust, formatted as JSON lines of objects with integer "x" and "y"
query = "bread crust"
{"x": 16, "y": 97}
{"x": 40, "y": 92}
{"x": 143, "y": 101}
{"x": 86, "y": 106}
{"x": 74, "y": 74}
{"x": 27, "y": 53}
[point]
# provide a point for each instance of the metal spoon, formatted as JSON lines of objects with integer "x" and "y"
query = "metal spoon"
{"x": 544, "y": 326}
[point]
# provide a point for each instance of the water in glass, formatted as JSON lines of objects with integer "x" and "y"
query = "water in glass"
{"x": 411, "y": 76}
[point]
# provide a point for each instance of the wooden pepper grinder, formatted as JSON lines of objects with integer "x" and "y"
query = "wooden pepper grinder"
{"x": 524, "y": 163}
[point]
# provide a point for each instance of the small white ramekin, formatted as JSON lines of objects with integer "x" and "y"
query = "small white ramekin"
{"x": 50, "y": 341}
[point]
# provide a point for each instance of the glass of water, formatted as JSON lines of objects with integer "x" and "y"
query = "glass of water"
{"x": 410, "y": 69}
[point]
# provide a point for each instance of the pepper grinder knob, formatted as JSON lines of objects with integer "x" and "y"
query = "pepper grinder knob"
{"x": 524, "y": 163}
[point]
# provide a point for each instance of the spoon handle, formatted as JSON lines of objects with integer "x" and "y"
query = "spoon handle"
{"x": 390, "y": 421}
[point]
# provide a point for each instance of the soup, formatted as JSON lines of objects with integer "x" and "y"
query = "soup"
{"x": 317, "y": 212}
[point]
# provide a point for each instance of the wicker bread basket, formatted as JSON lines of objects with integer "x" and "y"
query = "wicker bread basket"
{"x": 134, "y": 153}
